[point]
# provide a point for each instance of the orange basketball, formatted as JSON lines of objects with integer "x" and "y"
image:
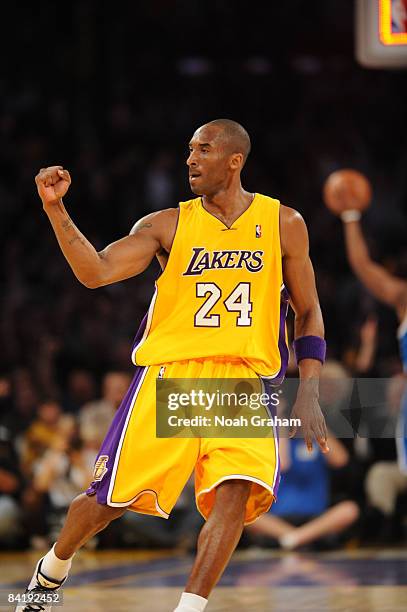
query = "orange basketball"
{"x": 347, "y": 189}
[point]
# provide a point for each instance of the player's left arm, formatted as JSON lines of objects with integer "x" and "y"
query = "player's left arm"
{"x": 299, "y": 279}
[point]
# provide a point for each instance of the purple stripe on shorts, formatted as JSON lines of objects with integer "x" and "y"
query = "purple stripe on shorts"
{"x": 110, "y": 443}
{"x": 271, "y": 409}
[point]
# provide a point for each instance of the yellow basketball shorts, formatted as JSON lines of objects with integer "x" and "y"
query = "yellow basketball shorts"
{"x": 135, "y": 469}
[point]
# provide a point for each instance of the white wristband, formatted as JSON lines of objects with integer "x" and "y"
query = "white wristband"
{"x": 350, "y": 215}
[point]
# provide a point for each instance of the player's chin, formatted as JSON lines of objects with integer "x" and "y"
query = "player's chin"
{"x": 196, "y": 188}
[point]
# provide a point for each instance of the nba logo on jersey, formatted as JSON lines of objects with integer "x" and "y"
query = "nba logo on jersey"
{"x": 258, "y": 231}
{"x": 161, "y": 372}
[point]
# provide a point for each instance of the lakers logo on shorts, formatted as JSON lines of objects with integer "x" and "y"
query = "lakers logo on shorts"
{"x": 100, "y": 468}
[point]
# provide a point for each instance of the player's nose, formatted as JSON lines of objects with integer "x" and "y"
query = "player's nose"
{"x": 191, "y": 161}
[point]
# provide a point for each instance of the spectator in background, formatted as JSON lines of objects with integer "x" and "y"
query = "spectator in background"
{"x": 40, "y": 435}
{"x": 43, "y": 434}
{"x": 7, "y": 414}
{"x": 302, "y": 514}
{"x": 11, "y": 479}
{"x": 61, "y": 474}
{"x": 10, "y": 487}
{"x": 387, "y": 480}
{"x": 81, "y": 389}
{"x": 96, "y": 416}
{"x": 25, "y": 397}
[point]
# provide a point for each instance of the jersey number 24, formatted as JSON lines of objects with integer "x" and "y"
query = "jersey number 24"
{"x": 237, "y": 301}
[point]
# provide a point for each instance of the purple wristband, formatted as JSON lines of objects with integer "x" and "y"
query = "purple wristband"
{"x": 309, "y": 347}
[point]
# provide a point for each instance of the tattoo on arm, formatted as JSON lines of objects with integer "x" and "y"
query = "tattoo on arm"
{"x": 75, "y": 239}
{"x": 143, "y": 226}
{"x": 67, "y": 224}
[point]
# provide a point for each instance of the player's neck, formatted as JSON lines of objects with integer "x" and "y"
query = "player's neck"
{"x": 229, "y": 202}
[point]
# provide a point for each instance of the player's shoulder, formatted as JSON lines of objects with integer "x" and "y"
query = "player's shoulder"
{"x": 167, "y": 220}
{"x": 293, "y": 231}
{"x": 290, "y": 216}
{"x": 159, "y": 219}
{"x": 167, "y": 214}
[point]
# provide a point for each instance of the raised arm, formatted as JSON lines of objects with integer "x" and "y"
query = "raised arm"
{"x": 300, "y": 281}
{"x": 383, "y": 285}
{"x": 119, "y": 260}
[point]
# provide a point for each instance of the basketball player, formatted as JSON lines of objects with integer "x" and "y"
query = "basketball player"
{"x": 231, "y": 261}
{"x": 386, "y": 287}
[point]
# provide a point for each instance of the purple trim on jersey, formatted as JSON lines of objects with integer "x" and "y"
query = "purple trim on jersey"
{"x": 282, "y": 344}
{"x": 140, "y": 332}
{"x": 112, "y": 439}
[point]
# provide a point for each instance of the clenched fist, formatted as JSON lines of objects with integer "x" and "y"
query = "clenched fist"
{"x": 52, "y": 184}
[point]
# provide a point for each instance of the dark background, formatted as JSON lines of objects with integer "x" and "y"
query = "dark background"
{"x": 113, "y": 92}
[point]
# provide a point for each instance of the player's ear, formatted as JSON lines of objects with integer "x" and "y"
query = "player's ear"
{"x": 236, "y": 161}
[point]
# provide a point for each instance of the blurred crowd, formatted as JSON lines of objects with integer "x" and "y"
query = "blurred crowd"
{"x": 118, "y": 113}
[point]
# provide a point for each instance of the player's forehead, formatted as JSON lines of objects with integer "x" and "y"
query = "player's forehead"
{"x": 207, "y": 134}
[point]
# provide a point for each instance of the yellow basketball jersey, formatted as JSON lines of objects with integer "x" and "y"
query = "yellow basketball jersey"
{"x": 221, "y": 293}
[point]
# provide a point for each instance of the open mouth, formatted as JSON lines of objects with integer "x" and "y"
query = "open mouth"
{"x": 194, "y": 175}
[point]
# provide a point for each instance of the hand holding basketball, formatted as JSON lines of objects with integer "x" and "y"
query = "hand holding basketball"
{"x": 52, "y": 184}
{"x": 347, "y": 190}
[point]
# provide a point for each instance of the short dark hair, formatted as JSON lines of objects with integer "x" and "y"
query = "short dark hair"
{"x": 235, "y": 134}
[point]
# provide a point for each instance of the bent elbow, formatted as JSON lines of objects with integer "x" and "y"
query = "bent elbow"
{"x": 90, "y": 283}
